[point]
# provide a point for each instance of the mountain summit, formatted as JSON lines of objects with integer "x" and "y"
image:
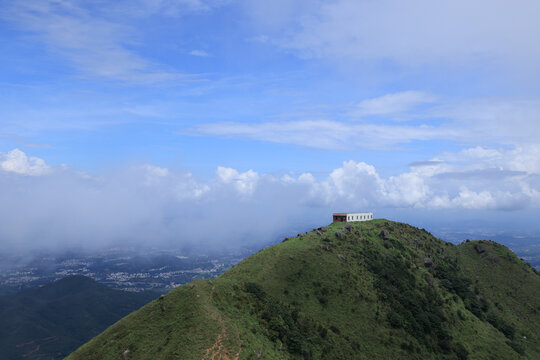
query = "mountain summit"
{"x": 366, "y": 290}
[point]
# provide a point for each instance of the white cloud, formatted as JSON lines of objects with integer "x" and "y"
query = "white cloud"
{"x": 94, "y": 44}
{"x": 154, "y": 174}
{"x": 474, "y": 200}
{"x": 156, "y": 170}
{"x": 416, "y": 32}
{"x": 353, "y": 181}
{"x": 172, "y": 8}
{"x": 243, "y": 182}
{"x": 481, "y": 200}
{"x": 524, "y": 158}
{"x": 493, "y": 120}
{"x": 199, "y": 53}
{"x": 392, "y": 103}
{"x": 187, "y": 188}
{"x": 326, "y": 134}
{"x": 406, "y": 190}
{"x": 17, "y": 162}
{"x": 153, "y": 205}
{"x": 483, "y": 122}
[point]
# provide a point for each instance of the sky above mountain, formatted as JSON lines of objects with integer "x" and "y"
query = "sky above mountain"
{"x": 173, "y": 122}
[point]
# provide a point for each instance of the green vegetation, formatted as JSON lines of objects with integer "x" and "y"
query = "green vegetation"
{"x": 52, "y": 321}
{"x": 371, "y": 290}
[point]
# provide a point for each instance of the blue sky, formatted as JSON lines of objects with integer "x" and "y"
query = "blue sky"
{"x": 161, "y": 114}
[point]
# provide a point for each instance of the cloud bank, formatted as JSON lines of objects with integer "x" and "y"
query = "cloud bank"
{"x": 146, "y": 205}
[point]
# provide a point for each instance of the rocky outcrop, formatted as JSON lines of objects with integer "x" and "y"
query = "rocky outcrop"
{"x": 479, "y": 248}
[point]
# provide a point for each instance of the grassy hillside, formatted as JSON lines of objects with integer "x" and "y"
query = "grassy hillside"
{"x": 372, "y": 290}
{"x": 52, "y": 321}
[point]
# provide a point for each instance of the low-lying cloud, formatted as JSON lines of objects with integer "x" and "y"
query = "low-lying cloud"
{"x": 49, "y": 207}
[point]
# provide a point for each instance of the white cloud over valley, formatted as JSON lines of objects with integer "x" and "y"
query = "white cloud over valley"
{"x": 152, "y": 205}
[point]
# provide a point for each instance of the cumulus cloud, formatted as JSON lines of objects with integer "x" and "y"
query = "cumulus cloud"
{"x": 244, "y": 182}
{"x": 354, "y": 183}
{"x": 154, "y": 206}
{"x": 17, "y": 162}
{"x": 521, "y": 158}
{"x": 407, "y": 190}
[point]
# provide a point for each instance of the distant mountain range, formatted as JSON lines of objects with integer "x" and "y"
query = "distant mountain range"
{"x": 370, "y": 290}
{"x": 51, "y": 321}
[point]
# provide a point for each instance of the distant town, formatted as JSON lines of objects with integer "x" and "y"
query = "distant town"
{"x": 117, "y": 268}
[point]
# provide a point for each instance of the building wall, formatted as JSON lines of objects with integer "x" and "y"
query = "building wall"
{"x": 366, "y": 216}
{"x": 352, "y": 217}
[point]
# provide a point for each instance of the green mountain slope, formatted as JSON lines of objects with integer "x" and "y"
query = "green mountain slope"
{"x": 372, "y": 290}
{"x": 52, "y": 321}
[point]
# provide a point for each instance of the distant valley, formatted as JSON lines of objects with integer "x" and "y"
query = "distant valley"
{"x": 124, "y": 269}
{"x": 163, "y": 270}
{"x": 51, "y": 321}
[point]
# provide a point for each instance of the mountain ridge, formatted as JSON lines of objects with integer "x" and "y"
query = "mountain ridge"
{"x": 374, "y": 289}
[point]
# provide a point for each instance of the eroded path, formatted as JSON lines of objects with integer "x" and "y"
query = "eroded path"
{"x": 218, "y": 351}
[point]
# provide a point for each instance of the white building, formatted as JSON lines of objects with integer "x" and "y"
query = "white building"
{"x": 352, "y": 217}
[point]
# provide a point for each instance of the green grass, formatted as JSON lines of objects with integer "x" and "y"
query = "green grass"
{"x": 355, "y": 296}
